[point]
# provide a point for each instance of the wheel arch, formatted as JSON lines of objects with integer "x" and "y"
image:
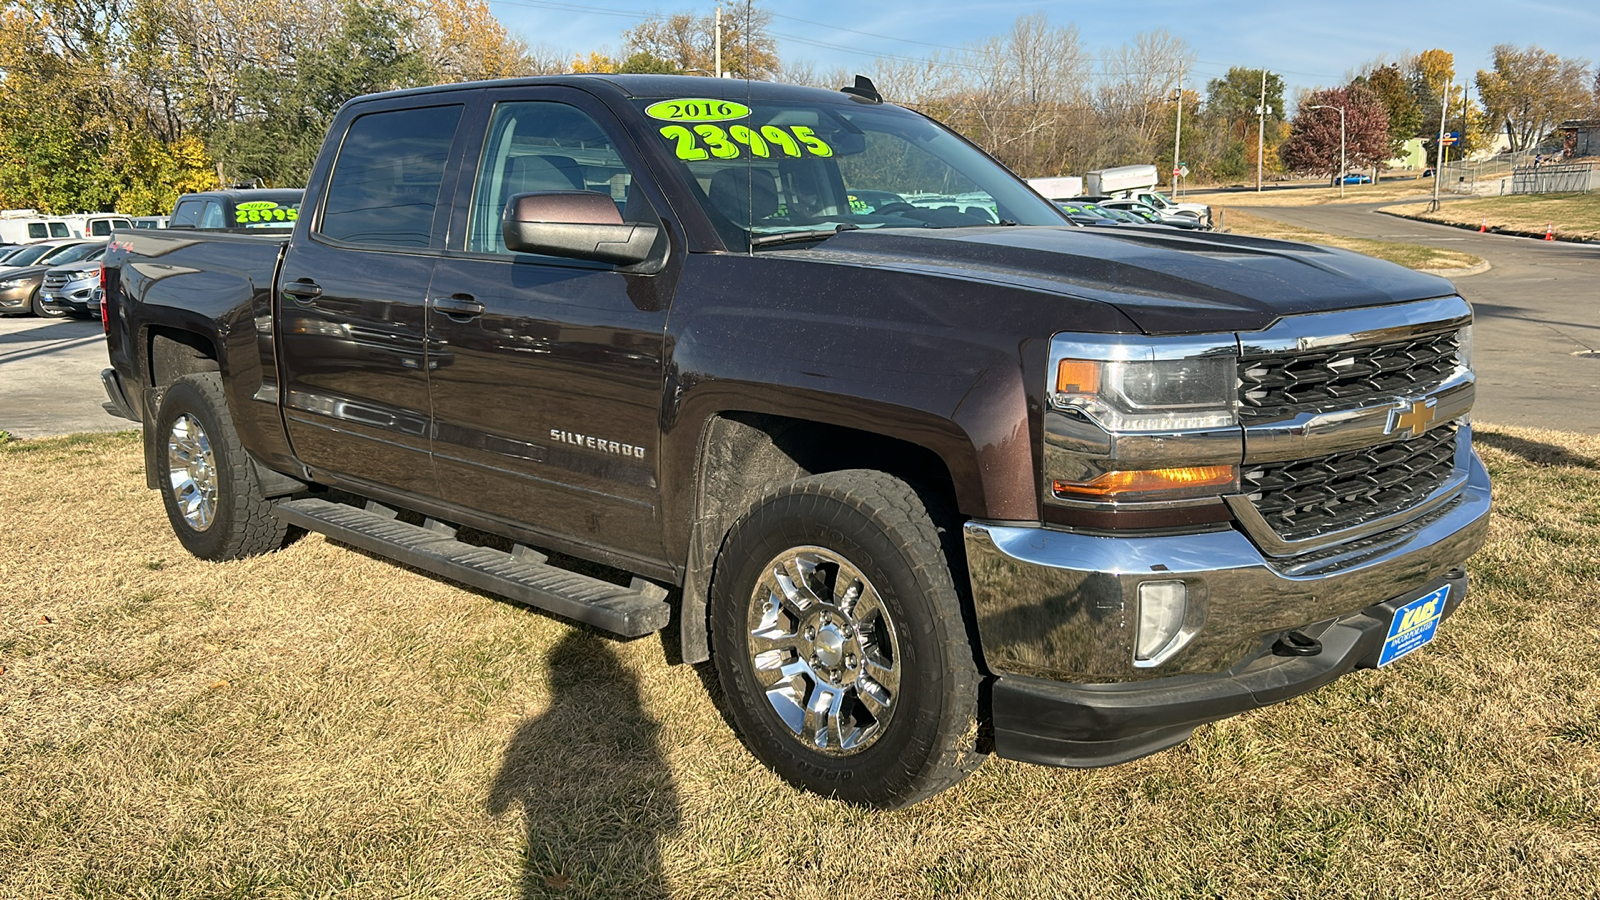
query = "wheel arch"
{"x": 743, "y": 456}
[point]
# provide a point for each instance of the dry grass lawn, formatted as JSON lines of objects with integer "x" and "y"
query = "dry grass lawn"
{"x": 1570, "y": 216}
{"x": 1414, "y": 256}
{"x": 318, "y": 723}
{"x": 1395, "y": 188}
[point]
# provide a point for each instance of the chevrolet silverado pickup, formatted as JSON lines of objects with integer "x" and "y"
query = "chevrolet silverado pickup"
{"x": 921, "y": 479}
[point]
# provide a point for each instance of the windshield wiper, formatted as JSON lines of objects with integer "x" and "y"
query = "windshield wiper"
{"x": 797, "y": 237}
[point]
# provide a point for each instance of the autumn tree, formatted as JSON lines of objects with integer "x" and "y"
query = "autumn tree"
{"x": 688, "y": 41}
{"x": 1314, "y": 145}
{"x": 1531, "y": 90}
{"x": 1133, "y": 101}
{"x": 461, "y": 40}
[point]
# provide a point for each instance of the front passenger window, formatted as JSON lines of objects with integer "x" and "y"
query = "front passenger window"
{"x": 545, "y": 146}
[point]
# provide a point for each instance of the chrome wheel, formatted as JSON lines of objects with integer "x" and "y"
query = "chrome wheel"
{"x": 192, "y": 472}
{"x": 824, "y": 650}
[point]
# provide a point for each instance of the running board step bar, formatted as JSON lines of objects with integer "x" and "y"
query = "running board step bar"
{"x": 522, "y": 575}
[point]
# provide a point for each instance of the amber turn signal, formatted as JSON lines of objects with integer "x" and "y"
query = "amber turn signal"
{"x": 1078, "y": 376}
{"x": 1144, "y": 480}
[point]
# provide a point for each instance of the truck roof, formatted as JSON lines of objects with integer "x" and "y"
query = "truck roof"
{"x": 645, "y": 87}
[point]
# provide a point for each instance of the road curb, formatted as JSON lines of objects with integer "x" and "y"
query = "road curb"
{"x": 1467, "y": 226}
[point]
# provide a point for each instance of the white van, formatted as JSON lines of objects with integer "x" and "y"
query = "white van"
{"x": 93, "y": 225}
{"x": 25, "y": 226}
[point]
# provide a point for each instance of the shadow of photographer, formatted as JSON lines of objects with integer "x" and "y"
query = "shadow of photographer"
{"x": 596, "y": 793}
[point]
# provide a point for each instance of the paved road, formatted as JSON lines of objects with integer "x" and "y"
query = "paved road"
{"x": 1538, "y": 314}
{"x": 50, "y": 377}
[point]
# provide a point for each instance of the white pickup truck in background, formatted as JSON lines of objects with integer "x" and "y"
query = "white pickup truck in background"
{"x": 1139, "y": 183}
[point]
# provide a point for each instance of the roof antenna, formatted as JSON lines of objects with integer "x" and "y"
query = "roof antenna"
{"x": 863, "y": 90}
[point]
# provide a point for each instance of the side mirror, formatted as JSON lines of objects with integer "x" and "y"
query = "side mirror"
{"x": 576, "y": 225}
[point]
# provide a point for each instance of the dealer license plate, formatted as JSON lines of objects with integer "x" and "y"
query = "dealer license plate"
{"x": 1414, "y": 625}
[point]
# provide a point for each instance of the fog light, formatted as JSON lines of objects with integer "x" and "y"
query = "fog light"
{"x": 1163, "y": 606}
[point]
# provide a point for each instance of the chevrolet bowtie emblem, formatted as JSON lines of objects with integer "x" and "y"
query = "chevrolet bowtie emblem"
{"x": 1413, "y": 414}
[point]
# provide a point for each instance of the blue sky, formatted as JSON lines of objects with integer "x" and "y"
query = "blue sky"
{"x": 1310, "y": 44}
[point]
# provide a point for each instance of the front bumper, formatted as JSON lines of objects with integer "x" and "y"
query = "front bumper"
{"x": 15, "y": 300}
{"x": 1057, "y": 613}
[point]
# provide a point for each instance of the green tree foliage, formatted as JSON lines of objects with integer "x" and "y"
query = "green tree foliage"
{"x": 285, "y": 111}
{"x": 1399, "y": 102}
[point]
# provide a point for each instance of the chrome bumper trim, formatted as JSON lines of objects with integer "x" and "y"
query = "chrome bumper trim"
{"x": 1060, "y": 605}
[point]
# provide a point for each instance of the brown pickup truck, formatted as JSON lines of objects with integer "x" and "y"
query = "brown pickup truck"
{"x": 924, "y": 470}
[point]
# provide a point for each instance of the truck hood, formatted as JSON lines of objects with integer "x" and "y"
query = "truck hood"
{"x": 1166, "y": 281}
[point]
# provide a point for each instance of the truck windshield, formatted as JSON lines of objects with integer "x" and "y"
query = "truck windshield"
{"x": 767, "y": 168}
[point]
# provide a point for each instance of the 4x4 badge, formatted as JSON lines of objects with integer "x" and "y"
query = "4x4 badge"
{"x": 1416, "y": 415}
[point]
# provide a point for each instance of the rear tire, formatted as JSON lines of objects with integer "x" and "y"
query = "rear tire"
{"x": 208, "y": 484}
{"x": 838, "y": 639}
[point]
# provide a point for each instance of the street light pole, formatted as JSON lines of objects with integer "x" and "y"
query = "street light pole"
{"x": 1261, "y": 128}
{"x": 1177, "y": 136}
{"x": 1342, "y": 163}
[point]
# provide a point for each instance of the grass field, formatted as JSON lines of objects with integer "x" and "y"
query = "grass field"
{"x": 319, "y": 723}
{"x": 1397, "y": 188}
{"x": 1569, "y": 215}
{"x": 1415, "y": 256}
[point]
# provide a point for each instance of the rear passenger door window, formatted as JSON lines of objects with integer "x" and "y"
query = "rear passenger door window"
{"x": 187, "y": 214}
{"x": 384, "y": 188}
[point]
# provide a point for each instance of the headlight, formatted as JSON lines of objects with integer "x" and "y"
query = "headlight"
{"x": 1150, "y": 388}
{"x": 1139, "y": 419}
{"x": 12, "y": 284}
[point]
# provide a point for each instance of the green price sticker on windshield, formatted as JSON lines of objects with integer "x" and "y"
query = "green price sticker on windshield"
{"x": 707, "y": 141}
{"x": 697, "y": 109}
{"x": 263, "y": 212}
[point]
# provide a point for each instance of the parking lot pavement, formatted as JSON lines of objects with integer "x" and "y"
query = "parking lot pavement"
{"x": 1536, "y": 344}
{"x": 50, "y": 377}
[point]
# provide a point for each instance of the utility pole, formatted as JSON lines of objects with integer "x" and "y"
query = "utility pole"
{"x": 1438, "y": 155}
{"x": 719, "y": 41}
{"x": 1177, "y": 136}
{"x": 1261, "y": 128}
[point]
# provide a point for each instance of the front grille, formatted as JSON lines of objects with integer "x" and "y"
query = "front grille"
{"x": 53, "y": 280}
{"x": 1283, "y": 385}
{"x": 1309, "y": 497}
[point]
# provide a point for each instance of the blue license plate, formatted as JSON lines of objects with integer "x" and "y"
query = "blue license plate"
{"x": 1414, "y": 625}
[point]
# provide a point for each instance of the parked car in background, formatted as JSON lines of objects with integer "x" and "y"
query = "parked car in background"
{"x": 93, "y": 225}
{"x": 25, "y": 226}
{"x": 144, "y": 222}
{"x": 1151, "y": 214}
{"x": 20, "y": 284}
{"x": 1082, "y": 215}
{"x": 252, "y": 208}
{"x": 70, "y": 288}
{"x": 43, "y": 253}
{"x": 1355, "y": 178}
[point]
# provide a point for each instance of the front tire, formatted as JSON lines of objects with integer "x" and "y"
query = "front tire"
{"x": 43, "y": 311}
{"x": 838, "y": 639}
{"x": 208, "y": 484}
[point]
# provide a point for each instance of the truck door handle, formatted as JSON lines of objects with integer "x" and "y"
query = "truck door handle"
{"x": 458, "y": 305}
{"x": 304, "y": 290}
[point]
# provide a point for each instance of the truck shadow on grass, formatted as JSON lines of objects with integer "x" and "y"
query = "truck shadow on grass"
{"x": 1536, "y": 452}
{"x": 596, "y": 793}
